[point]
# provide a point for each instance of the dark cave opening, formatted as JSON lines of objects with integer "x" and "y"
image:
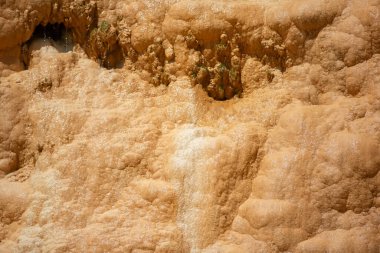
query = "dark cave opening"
{"x": 50, "y": 31}
{"x": 56, "y": 35}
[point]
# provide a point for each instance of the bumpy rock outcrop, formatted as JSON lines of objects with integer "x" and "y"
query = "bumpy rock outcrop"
{"x": 190, "y": 126}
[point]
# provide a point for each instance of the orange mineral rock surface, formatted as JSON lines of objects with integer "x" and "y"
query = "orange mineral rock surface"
{"x": 190, "y": 126}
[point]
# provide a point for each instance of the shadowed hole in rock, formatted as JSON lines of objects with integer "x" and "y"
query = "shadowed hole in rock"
{"x": 55, "y": 35}
{"x": 217, "y": 68}
{"x": 113, "y": 58}
{"x": 103, "y": 46}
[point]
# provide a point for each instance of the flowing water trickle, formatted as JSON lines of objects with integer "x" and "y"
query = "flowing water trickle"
{"x": 44, "y": 34}
{"x": 65, "y": 39}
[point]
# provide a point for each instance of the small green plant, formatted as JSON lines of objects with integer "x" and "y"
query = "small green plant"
{"x": 221, "y": 46}
{"x": 194, "y": 74}
{"x": 234, "y": 75}
{"x": 203, "y": 68}
{"x": 222, "y": 67}
{"x": 104, "y": 26}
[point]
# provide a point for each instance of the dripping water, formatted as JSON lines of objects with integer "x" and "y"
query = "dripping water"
{"x": 66, "y": 39}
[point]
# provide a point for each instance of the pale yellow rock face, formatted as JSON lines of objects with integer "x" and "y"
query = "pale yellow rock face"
{"x": 109, "y": 145}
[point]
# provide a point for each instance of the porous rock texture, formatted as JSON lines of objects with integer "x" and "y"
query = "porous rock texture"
{"x": 116, "y": 144}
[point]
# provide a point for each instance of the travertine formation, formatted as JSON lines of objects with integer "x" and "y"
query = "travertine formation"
{"x": 174, "y": 126}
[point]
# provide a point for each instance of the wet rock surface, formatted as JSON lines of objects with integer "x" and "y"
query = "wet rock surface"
{"x": 190, "y": 126}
